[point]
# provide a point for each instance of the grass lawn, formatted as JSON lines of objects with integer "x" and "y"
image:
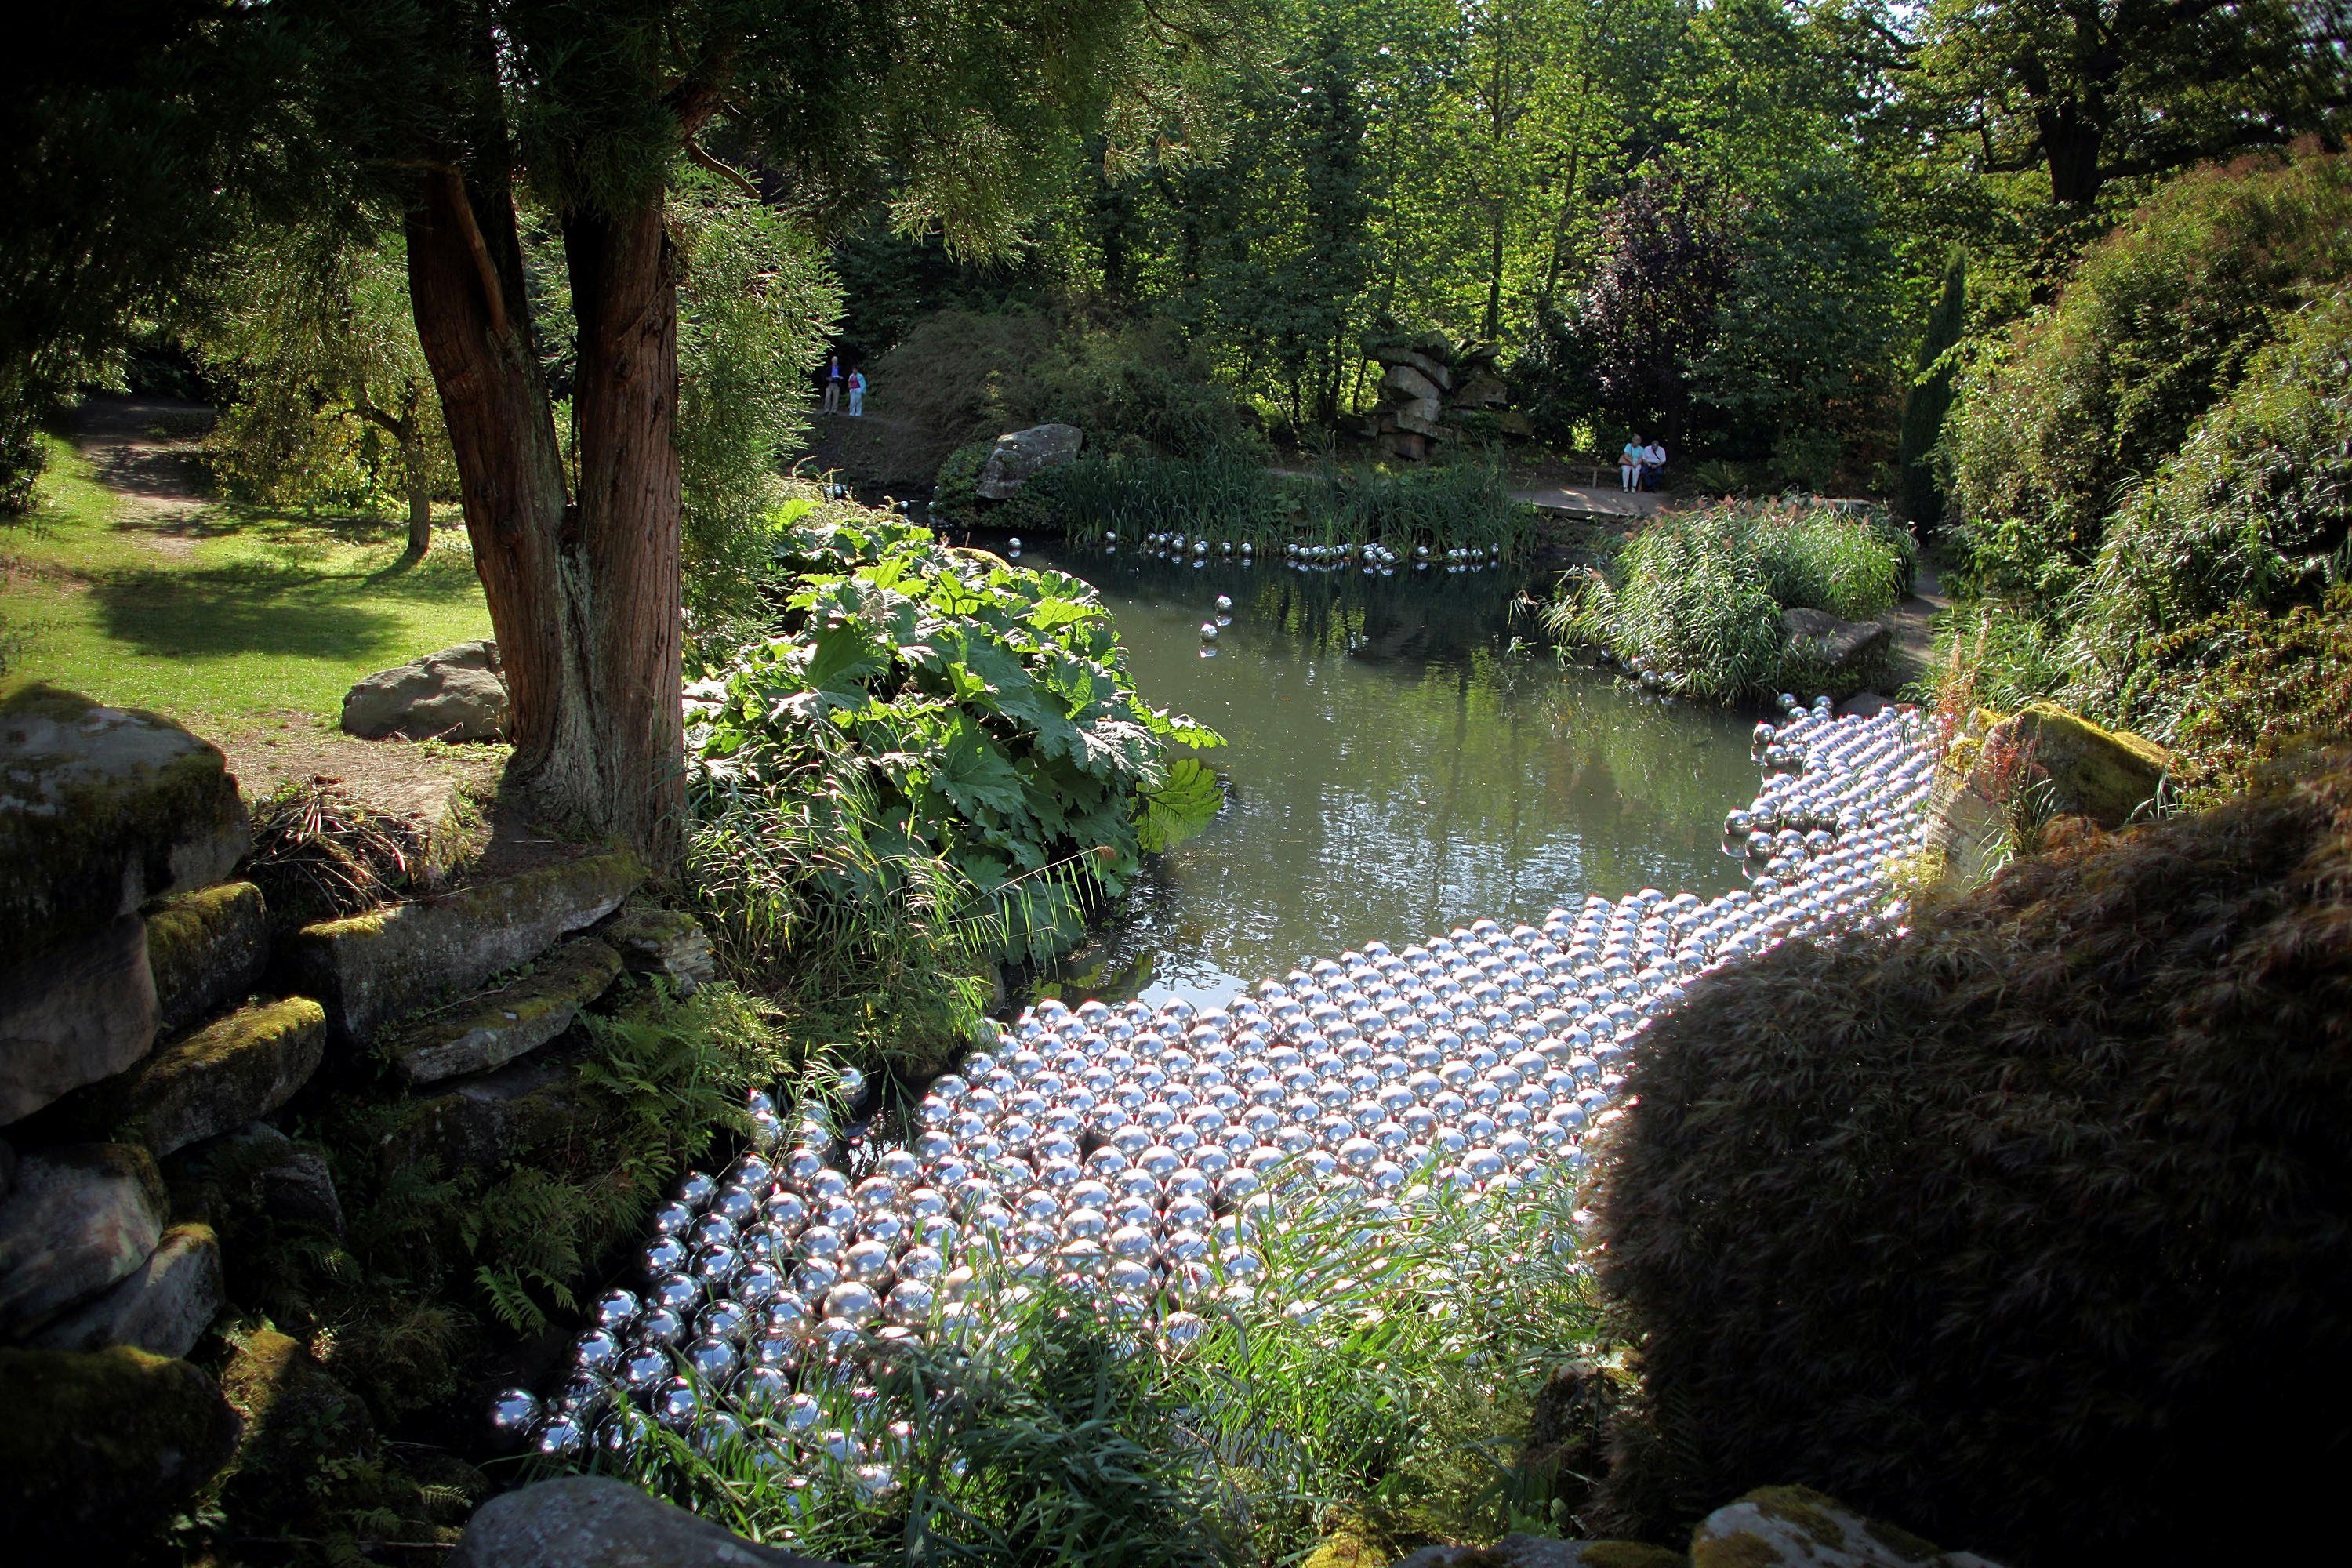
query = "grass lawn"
{"x": 217, "y": 615}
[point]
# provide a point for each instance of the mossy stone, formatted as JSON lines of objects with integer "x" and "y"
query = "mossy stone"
{"x": 2103, "y": 774}
{"x": 164, "y": 1306}
{"x": 493, "y": 1030}
{"x": 101, "y": 1449}
{"x": 102, "y": 809}
{"x": 297, "y": 1421}
{"x": 370, "y": 968}
{"x": 234, "y": 1071}
{"x": 83, "y": 1215}
{"x": 206, "y": 949}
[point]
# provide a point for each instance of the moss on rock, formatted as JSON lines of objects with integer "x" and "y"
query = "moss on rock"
{"x": 234, "y": 1071}
{"x": 514, "y": 1020}
{"x": 101, "y": 1449}
{"x": 206, "y": 949}
{"x": 299, "y": 1422}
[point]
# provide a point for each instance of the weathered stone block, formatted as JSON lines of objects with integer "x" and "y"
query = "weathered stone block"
{"x": 102, "y": 809}
{"x": 457, "y": 694}
{"x": 492, "y": 1030}
{"x": 595, "y": 1522}
{"x": 82, "y": 1216}
{"x": 485, "y": 1121}
{"x": 164, "y": 1306}
{"x": 297, "y": 1418}
{"x": 1814, "y": 634}
{"x": 372, "y": 968}
{"x": 667, "y": 942}
{"x": 234, "y": 1071}
{"x": 100, "y": 1451}
{"x": 80, "y": 1011}
{"x": 206, "y": 949}
{"x": 1020, "y": 455}
{"x": 1412, "y": 388}
{"x": 254, "y": 1168}
{"x": 2103, "y": 774}
{"x": 1794, "y": 1527}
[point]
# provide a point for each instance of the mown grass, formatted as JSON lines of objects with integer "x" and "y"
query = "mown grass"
{"x": 211, "y": 612}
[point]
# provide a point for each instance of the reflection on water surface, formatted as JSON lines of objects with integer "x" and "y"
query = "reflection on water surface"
{"x": 1395, "y": 769}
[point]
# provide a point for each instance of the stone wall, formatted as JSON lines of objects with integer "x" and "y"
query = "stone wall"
{"x": 153, "y": 1035}
{"x": 1428, "y": 385}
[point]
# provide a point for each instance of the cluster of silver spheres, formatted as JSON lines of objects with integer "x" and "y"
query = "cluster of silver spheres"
{"x": 1140, "y": 1157}
{"x": 1178, "y": 548}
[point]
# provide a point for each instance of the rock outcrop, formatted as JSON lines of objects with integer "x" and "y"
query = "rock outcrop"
{"x": 492, "y": 1029}
{"x": 164, "y": 1306}
{"x": 1838, "y": 646}
{"x": 595, "y": 1522}
{"x": 82, "y": 1216}
{"x": 1428, "y": 384}
{"x": 1019, "y": 455}
{"x": 670, "y": 944}
{"x": 235, "y": 1069}
{"x": 457, "y": 694}
{"x": 206, "y": 949}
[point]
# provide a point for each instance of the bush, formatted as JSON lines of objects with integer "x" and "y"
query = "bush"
{"x": 2033, "y": 1225}
{"x": 2159, "y": 322}
{"x": 930, "y": 702}
{"x": 2252, "y": 517}
{"x": 1694, "y": 600}
{"x": 2265, "y": 685}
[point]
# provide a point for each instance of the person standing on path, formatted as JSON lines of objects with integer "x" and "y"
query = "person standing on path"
{"x": 856, "y": 394}
{"x": 833, "y": 386}
{"x": 1629, "y": 463}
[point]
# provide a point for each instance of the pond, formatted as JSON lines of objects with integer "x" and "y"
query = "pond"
{"x": 1405, "y": 756}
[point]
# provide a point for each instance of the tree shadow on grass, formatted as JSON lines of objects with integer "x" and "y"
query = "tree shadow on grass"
{"x": 258, "y": 607}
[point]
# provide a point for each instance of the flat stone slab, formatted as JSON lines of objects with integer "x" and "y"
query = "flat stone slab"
{"x": 102, "y": 809}
{"x": 164, "y": 1306}
{"x": 234, "y": 1071}
{"x": 595, "y": 1522}
{"x": 667, "y": 942}
{"x": 83, "y": 1215}
{"x": 492, "y": 1030}
{"x": 484, "y": 1122}
{"x": 81, "y": 1010}
{"x": 206, "y": 949}
{"x": 1794, "y": 1527}
{"x": 370, "y": 968}
{"x": 101, "y": 1449}
{"x": 1819, "y": 635}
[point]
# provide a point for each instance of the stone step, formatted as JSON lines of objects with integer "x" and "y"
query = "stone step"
{"x": 667, "y": 942}
{"x": 234, "y": 1071}
{"x": 162, "y": 1307}
{"x": 483, "y": 1122}
{"x": 82, "y": 1216}
{"x": 207, "y": 951}
{"x": 370, "y": 969}
{"x": 493, "y": 1030}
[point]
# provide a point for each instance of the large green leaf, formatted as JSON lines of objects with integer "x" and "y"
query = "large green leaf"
{"x": 1187, "y": 803}
{"x": 971, "y": 771}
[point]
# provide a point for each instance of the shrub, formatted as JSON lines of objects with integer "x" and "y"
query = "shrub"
{"x": 2254, "y": 515}
{"x": 2265, "y": 685}
{"x": 2158, "y": 324}
{"x": 935, "y": 703}
{"x": 2031, "y": 1226}
{"x": 1695, "y": 598}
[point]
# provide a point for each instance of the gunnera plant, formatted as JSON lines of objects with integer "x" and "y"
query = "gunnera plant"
{"x": 2033, "y": 1226}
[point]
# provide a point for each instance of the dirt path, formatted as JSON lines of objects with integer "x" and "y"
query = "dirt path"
{"x": 1915, "y": 641}
{"x": 144, "y": 451}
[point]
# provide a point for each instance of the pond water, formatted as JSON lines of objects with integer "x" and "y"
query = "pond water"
{"x": 1397, "y": 766}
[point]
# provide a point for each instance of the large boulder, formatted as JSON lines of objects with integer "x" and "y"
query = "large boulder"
{"x": 164, "y": 1306}
{"x": 80, "y": 1010}
{"x": 234, "y": 1071}
{"x": 457, "y": 694}
{"x": 102, "y": 809}
{"x": 482, "y": 1122}
{"x": 100, "y": 1451}
{"x": 1022, "y": 455}
{"x": 493, "y": 1030}
{"x": 667, "y": 942}
{"x": 1412, "y": 391}
{"x": 2107, "y": 775}
{"x": 83, "y": 1215}
{"x": 1838, "y": 645}
{"x": 1794, "y": 1527}
{"x": 206, "y": 949}
{"x": 595, "y": 1522}
{"x": 370, "y": 969}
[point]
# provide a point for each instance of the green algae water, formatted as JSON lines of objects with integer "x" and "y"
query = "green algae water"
{"x": 1398, "y": 765}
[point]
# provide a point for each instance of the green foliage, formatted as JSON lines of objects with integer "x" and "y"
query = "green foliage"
{"x": 1929, "y": 398}
{"x": 1054, "y": 1431}
{"x": 2254, "y": 515}
{"x": 23, "y": 456}
{"x": 2021, "y": 1226}
{"x": 2265, "y": 686}
{"x": 2159, "y": 322}
{"x": 1693, "y": 601}
{"x": 945, "y": 704}
{"x": 755, "y": 309}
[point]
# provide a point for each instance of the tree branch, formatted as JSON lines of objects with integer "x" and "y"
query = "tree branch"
{"x": 724, "y": 170}
{"x": 493, "y": 295}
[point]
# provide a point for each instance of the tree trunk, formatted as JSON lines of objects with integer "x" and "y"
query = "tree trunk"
{"x": 465, "y": 281}
{"x": 411, "y": 436}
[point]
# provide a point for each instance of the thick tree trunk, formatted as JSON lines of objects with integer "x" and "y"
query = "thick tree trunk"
{"x": 578, "y": 729}
{"x": 625, "y": 293}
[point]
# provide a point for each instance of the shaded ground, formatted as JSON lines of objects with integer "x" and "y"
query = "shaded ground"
{"x": 1915, "y": 642}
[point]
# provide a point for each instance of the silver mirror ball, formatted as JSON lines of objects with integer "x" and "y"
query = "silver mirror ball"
{"x": 1131, "y": 1153}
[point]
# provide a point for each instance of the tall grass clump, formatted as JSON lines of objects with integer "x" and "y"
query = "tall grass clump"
{"x": 1373, "y": 1370}
{"x": 2031, "y": 1226}
{"x": 1692, "y": 602}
